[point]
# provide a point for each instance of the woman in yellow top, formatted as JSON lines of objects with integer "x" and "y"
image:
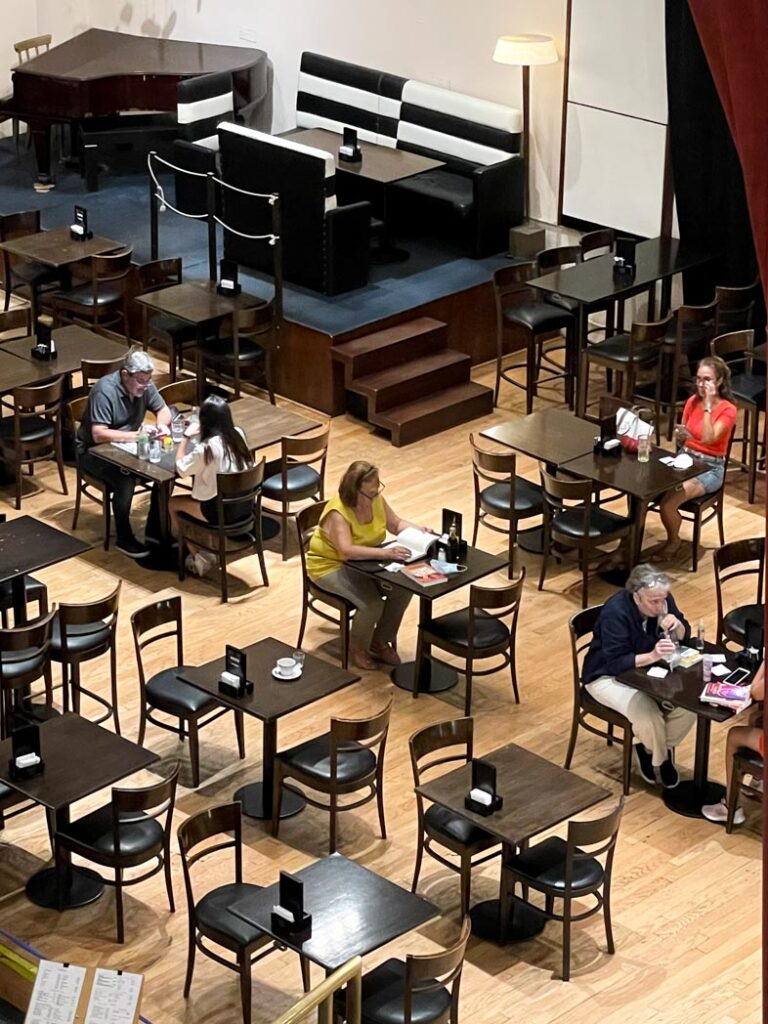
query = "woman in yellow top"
{"x": 353, "y": 524}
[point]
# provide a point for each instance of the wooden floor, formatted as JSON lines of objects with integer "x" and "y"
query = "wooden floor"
{"x": 686, "y": 896}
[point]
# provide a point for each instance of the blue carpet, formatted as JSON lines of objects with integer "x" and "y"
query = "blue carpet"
{"x": 120, "y": 210}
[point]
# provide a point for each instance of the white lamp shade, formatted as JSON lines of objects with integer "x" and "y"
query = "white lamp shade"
{"x": 525, "y": 50}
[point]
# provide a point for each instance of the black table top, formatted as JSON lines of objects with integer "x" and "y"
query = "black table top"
{"x": 27, "y": 545}
{"x": 162, "y": 472}
{"x": 537, "y": 794}
{"x": 642, "y": 480}
{"x": 272, "y": 698}
{"x": 593, "y": 280}
{"x": 479, "y": 564}
{"x": 551, "y": 435}
{"x": 354, "y": 911}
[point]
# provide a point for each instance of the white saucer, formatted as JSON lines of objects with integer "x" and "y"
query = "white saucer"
{"x": 279, "y": 675}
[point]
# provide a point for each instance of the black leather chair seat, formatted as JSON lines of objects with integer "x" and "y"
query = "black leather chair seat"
{"x": 571, "y": 522}
{"x": 446, "y": 823}
{"x": 617, "y": 348}
{"x": 563, "y": 302}
{"x": 20, "y": 663}
{"x": 736, "y": 620}
{"x": 83, "y": 296}
{"x": 454, "y": 627}
{"x": 314, "y": 758}
{"x": 496, "y": 499}
{"x": 213, "y": 914}
{"x": 383, "y": 997}
{"x": 222, "y": 350}
{"x": 743, "y": 753}
{"x": 441, "y": 186}
{"x": 32, "y": 590}
{"x": 36, "y": 428}
{"x": 172, "y": 326}
{"x": 748, "y": 388}
{"x": 80, "y": 639}
{"x": 95, "y": 831}
{"x": 538, "y": 317}
{"x": 166, "y": 692}
{"x": 302, "y": 482}
{"x": 545, "y": 863}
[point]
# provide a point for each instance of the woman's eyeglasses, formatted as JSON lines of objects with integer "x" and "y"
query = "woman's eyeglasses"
{"x": 376, "y": 493}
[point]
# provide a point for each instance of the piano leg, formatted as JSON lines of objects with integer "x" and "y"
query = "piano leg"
{"x": 41, "y": 139}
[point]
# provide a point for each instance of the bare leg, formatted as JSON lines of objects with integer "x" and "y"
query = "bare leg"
{"x": 670, "y": 516}
{"x": 740, "y": 736}
{"x": 184, "y": 503}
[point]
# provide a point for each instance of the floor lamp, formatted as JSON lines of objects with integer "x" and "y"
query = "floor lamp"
{"x": 525, "y": 51}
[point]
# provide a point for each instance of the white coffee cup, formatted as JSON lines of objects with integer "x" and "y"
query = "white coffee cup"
{"x": 286, "y": 666}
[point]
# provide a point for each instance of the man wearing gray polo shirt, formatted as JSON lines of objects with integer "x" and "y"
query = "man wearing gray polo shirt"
{"x": 115, "y": 411}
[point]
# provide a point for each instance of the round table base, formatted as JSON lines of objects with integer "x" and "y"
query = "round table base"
{"x": 531, "y": 540}
{"x": 688, "y": 798}
{"x": 524, "y": 922}
{"x": 434, "y": 679}
{"x": 252, "y": 799}
{"x": 269, "y": 528}
{"x": 43, "y": 889}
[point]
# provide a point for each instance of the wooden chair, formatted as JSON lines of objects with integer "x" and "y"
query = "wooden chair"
{"x": 523, "y": 319}
{"x": 25, "y": 49}
{"x": 34, "y": 591}
{"x": 572, "y": 519}
{"x": 502, "y": 495}
{"x": 581, "y": 627}
{"x": 162, "y": 330}
{"x": 15, "y": 323}
{"x": 164, "y": 692}
{"x": 345, "y": 760}
{"x": 745, "y": 762}
{"x": 688, "y": 338}
{"x": 91, "y": 371}
{"x": 103, "y": 301}
{"x": 22, "y": 275}
{"x": 478, "y": 632}
{"x": 25, "y": 657}
{"x": 133, "y": 829}
{"x": 214, "y": 832}
{"x": 733, "y": 561}
{"x": 181, "y": 393}
{"x": 561, "y": 869}
{"x": 247, "y": 344}
{"x": 312, "y": 593}
{"x": 748, "y": 391}
{"x": 82, "y": 632}
{"x": 238, "y": 529}
{"x": 298, "y": 479}
{"x": 736, "y": 307}
{"x": 32, "y": 433}
{"x": 452, "y": 742}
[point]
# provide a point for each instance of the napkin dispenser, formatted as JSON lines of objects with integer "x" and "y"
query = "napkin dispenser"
{"x": 233, "y": 681}
{"x": 78, "y": 229}
{"x": 611, "y": 448}
{"x": 349, "y": 150}
{"x": 45, "y": 349}
{"x": 482, "y": 797}
{"x": 25, "y": 761}
{"x": 228, "y": 283}
{"x": 288, "y": 916}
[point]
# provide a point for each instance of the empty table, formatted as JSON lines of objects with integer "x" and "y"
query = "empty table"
{"x": 27, "y": 545}
{"x": 548, "y": 435}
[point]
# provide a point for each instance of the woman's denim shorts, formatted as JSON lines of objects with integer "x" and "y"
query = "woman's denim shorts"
{"x": 712, "y": 479}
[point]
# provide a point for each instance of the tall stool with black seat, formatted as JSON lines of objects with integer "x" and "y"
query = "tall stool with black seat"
{"x": 521, "y": 318}
{"x": 436, "y": 746}
{"x": 103, "y": 300}
{"x": 131, "y": 830}
{"x": 25, "y": 657}
{"x": 734, "y": 561}
{"x": 478, "y": 632}
{"x": 246, "y": 345}
{"x": 687, "y": 341}
{"x": 80, "y": 633}
{"x": 162, "y": 691}
{"x": 169, "y": 332}
{"x": 301, "y": 476}
{"x": 347, "y": 759}
{"x": 561, "y": 869}
{"x": 748, "y": 390}
{"x": 33, "y": 432}
{"x": 34, "y": 591}
{"x": 736, "y": 306}
{"x": 214, "y": 832}
{"x": 581, "y": 627}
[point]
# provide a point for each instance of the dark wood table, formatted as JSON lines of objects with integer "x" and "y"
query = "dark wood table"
{"x": 80, "y": 758}
{"x": 22, "y": 373}
{"x": 682, "y": 687}
{"x": 271, "y": 699}
{"x": 73, "y": 345}
{"x": 265, "y": 424}
{"x": 27, "y": 545}
{"x": 57, "y": 248}
{"x": 354, "y": 911}
{"x": 550, "y": 435}
{"x": 537, "y": 796}
{"x": 431, "y": 676}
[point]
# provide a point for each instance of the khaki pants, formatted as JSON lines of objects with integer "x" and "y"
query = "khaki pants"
{"x": 378, "y": 615}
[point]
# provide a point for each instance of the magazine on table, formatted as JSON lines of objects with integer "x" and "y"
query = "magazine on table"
{"x": 417, "y": 541}
{"x": 727, "y": 695}
{"x": 423, "y": 574}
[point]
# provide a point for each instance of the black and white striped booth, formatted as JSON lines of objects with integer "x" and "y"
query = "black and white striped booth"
{"x": 325, "y": 245}
{"x": 477, "y": 196}
{"x": 201, "y": 104}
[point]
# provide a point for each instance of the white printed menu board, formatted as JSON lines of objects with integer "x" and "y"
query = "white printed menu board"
{"x": 65, "y": 993}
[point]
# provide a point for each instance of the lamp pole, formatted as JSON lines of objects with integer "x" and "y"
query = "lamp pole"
{"x": 526, "y": 138}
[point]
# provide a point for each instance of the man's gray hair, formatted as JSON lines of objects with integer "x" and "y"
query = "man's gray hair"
{"x": 645, "y": 577}
{"x": 137, "y": 361}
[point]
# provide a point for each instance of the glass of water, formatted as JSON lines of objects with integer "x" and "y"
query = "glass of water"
{"x": 298, "y": 657}
{"x": 177, "y": 428}
{"x": 155, "y": 450}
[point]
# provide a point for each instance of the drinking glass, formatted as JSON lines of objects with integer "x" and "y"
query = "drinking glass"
{"x": 155, "y": 450}
{"x": 644, "y": 449}
{"x": 177, "y": 428}
{"x": 298, "y": 657}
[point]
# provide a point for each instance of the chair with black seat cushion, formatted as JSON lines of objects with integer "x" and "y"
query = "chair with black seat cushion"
{"x": 32, "y": 433}
{"x": 748, "y": 389}
{"x": 521, "y": 318}
{"x": 736, "y": 306}
{"x": 34, "y": 590}
{"x": 436, "y": 746}
{"x": 213, "y": 833}
{"x": 581, "y": 627}
{"x": 502, "y": 495}
{"x": 25, "y": 657}
{"x": 745, "y": 762}
{"x": 92, "y": 370}
{"x": 301, "y": 476}
{"x": 687, "y": 341}
{"x": 345, "y": 760}
{"x": 103, "y": 300}
{"x": 478, "y": 632}
{"x": 246, "y": 345}
{"x": 82, "y": 632}
{"x": 133, "y": 829}
{"x": 22, "y": 275}
{"x": 181, "y": 393}
{"x": 419, "y": 990}
{"x": 159, "y": 329}
{"x": 312, "y": 593}
{"x": 740, "y": 558}
{"x": 238, "y": 526}
{"x": 15, "y": 323}
{"x": 162, "y": 691}
{"x": 561, "y": 869}
{"x": 573, "y": 519}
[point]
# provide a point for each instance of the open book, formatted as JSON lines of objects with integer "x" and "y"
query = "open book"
{"x": 417, "y": 541}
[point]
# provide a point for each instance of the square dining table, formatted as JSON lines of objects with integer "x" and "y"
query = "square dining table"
{"x": 354, "y": 911}
{"x": 270, "y": 700}
{"x": 537, "y": 795}
{"x": 73, "y": 344}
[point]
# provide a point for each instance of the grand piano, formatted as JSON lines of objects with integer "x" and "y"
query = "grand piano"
{"x": 98, "y": 73}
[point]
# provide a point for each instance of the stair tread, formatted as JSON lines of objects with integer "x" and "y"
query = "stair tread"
{"x": 400, "y": 414}
{"x": 387, "y": 336}
{"x": 413, "y": 368}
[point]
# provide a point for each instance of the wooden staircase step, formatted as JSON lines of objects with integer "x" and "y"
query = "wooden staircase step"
{"x": 381, "y": 349}
{"x": 429, "y": 415}
{"x": 409, "y": 381}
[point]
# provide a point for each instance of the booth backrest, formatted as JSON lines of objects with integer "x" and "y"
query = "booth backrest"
{"x": 201, "y": 104}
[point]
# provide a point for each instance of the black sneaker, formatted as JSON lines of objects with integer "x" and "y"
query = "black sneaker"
{"x": 668, "y": 774}
{"x": 131, "y": 547}
{"x": 645, "y": 764}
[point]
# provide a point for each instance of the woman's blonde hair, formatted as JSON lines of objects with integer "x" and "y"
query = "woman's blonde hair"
{"x": 354, "y": 475}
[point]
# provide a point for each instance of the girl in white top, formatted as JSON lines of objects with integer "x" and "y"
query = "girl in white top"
{"x": 221, "y": 449}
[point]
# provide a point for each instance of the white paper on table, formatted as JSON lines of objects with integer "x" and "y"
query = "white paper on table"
{"x": 715, "y": 658}
{"x": 720, "y": 670}
{"x": 658, "y": 672}
{"x": 126, "y": 446}
{"x": 393, "y": 566}
{"x": 114, "y": 997}
{"x": 682, "y": 461}
{"x": 56, "y": 993}
{"x": 668, "y": 460}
